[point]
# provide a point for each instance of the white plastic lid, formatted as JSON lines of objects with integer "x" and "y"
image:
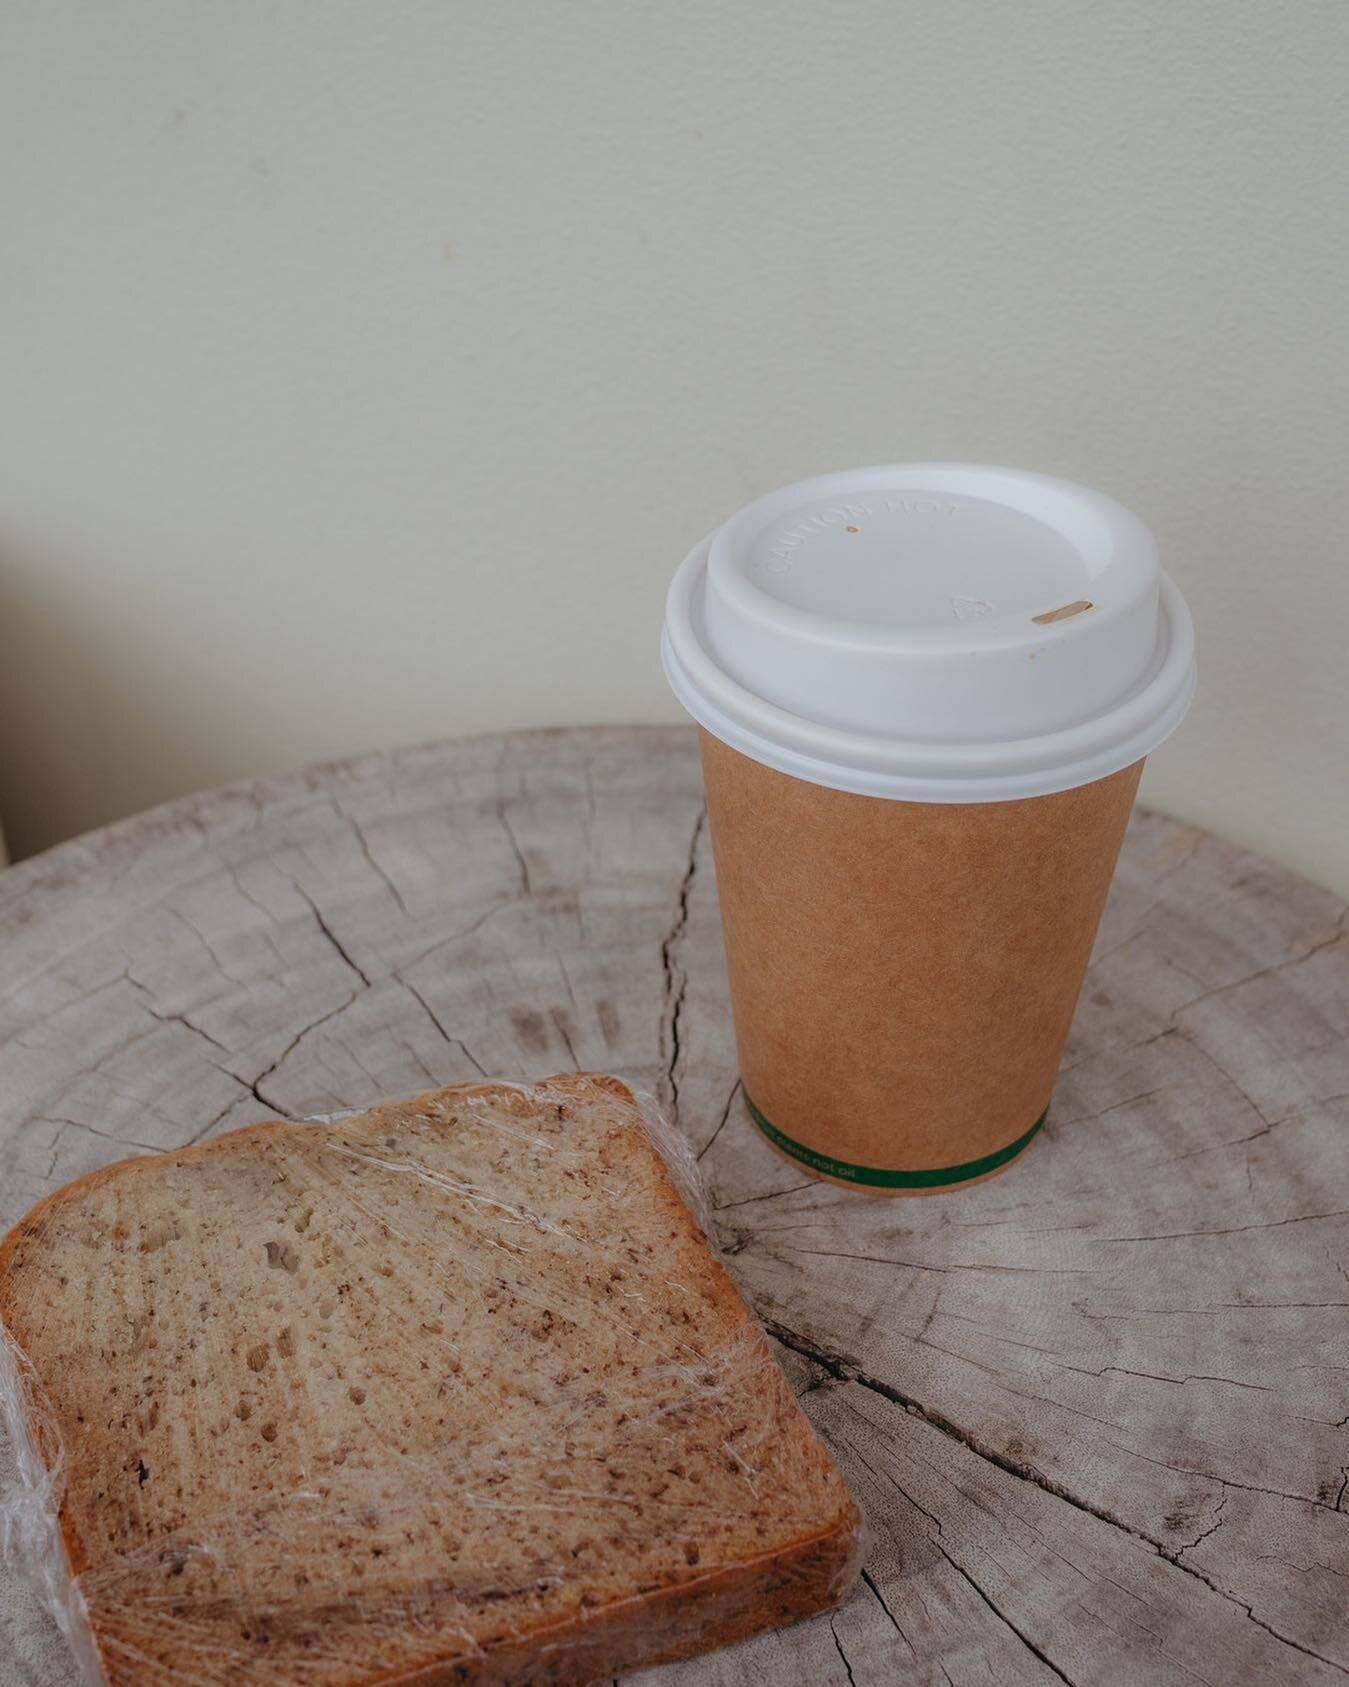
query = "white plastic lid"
{"x": 939, "y": 632}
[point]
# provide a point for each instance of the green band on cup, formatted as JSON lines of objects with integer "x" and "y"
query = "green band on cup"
{"x": 939, "y": 1177}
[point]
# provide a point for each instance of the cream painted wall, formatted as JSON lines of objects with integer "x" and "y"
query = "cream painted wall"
{"x": 367, "y": 368}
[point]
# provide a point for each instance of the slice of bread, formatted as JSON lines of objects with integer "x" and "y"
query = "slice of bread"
{"x": 450, "y": 1392}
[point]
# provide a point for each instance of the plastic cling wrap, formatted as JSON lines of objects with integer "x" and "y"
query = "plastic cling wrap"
{"x": 453, "y": 1390}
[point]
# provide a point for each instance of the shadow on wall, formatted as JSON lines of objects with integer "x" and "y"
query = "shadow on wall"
{"x": 84, "y": 737}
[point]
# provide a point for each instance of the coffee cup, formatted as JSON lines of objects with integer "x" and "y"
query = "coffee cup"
{"x": 925, "y": 694}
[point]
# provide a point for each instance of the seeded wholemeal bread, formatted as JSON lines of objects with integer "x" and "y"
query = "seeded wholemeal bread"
{"x": 450, "y": 1392}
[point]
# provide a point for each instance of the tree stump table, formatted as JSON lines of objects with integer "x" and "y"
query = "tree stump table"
{"x": 1095, "y": 1409}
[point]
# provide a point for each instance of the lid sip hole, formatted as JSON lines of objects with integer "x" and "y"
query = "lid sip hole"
{"x": 1063, "y": 613}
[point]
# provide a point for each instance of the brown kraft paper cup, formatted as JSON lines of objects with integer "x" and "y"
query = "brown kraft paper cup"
{"x": 904, "y": 974}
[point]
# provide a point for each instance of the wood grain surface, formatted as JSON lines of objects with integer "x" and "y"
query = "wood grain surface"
{"x": 1096, "y": 1409}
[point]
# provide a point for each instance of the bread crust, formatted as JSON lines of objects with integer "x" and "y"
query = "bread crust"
{"x": 724, "y": 1608}
{"x": 726, "y": 1603}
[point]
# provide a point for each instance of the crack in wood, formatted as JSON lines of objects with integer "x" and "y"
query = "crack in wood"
{"x": 1116, "y": 1106}
{"x": 200, "y": 936}
{"x": 330, "y": 934}
{"x": 254, "y": 1084}
{"x": 187, "y": 1024}
{"x": 721, "y": 1122}
{"x": 456, "y": 936}
{"x": 1232, "y": 1230}
{"x": 676, "y": 978}
{"x": 559, "y": 1024}
{"x": 1223, "y": 1481}
{"x": 1213, "y": 1528}
{"x": 81, "y": 996}
{"x": 1302, "y": 1109}
{"x": 771, "y": 1195}
{"x": 156, "y": 1013}
{"x": 1215, "y": 1305}
{"x": 838, "y": 1645}
{"x": 83, "y": 1125}
{"x": 959, "y": 1568}
{"x": 1118, "y": 1370}
{"x": 374, "y": 865}
{"x": 521, "y": 864}
{"x": 1318, "y": 948}
{"x": 1129, "y": 1048}
{"x": 841, "y": 1253}
{"x": 869, "y": 1581}
{"x": 846, "y": 1370}
{"x": 203, "y": 1131}
{"x": 1302, "y": 1569}
{"x": 1000, "y": 1614}
{"x": 453, "y": 1041}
